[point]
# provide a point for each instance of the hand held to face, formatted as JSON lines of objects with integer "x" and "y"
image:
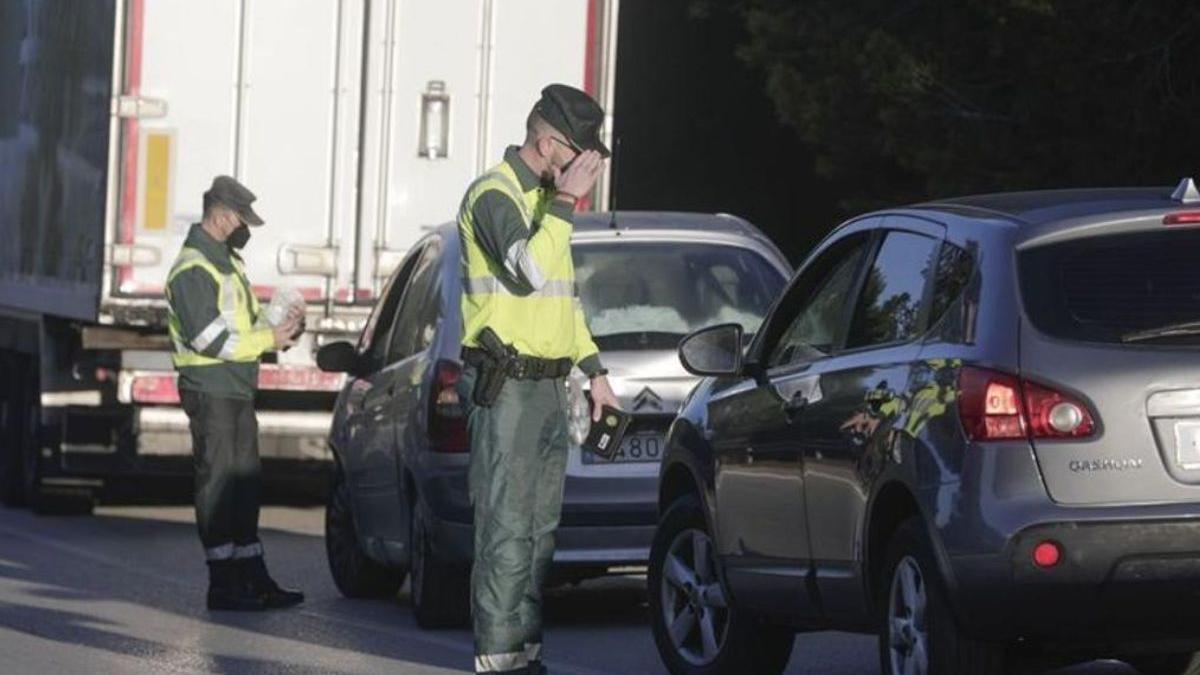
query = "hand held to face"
{"x": 580, "y": 175}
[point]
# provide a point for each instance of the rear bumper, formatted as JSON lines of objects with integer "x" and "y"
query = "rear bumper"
{"x": 586, "y": 547}
{"x": 97, "y": 443}
{"x": 1117, "y": 583}
{"x": 164, "y": 431}
{"x": 607, "y": 520}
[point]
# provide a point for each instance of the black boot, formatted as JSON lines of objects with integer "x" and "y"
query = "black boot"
{"x": 255, "y": 572}
{"x": 228, "y": 590}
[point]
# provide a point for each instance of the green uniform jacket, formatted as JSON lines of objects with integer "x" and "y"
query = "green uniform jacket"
{"x": 502, "y": 233}
{"x": 193, "y": 297}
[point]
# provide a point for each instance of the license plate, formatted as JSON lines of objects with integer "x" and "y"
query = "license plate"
{"x": 634, "y": 448}
{"x": 1187, "y": 445}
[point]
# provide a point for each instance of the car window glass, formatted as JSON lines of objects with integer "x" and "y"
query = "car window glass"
{"x": 954, "y": 269}
{"x": 375, "y": 333}
{"x": 889, "y": 306}
{"x": 414, "y": 320}
{"x": 816, "y": 305}
{"x": 648, "y": 295}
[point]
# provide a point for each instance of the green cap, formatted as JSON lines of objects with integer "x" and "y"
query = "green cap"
{"x": 227, "y": 191}
{"x": 575, "y": 114}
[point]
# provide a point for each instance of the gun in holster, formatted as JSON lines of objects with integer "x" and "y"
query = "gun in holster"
{"x": 494, "y": 369}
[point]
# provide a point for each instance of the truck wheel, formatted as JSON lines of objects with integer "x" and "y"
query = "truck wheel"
{"x": 918, "y": 633}
{"x": 441, "y": 592}
{"x": 12, "y": 433}
{"x": 696, "y": 629}
{"x": 355, "y": 575}
{"x": 1170, "y": 664}
{"x": 44, "y": 500}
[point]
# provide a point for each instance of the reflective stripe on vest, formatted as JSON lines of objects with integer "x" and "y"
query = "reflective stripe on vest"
{"x": 539, "y": 322}
{"x": 237, "y": 315}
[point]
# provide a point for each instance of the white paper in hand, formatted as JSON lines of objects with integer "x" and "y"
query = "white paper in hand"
{"x": 284, "y": 299}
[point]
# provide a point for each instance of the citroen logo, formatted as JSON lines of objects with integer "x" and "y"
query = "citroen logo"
{"x": 647, "y": 397}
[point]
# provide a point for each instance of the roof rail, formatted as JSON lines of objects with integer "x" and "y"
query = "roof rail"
{"x": 1186, "y": 192}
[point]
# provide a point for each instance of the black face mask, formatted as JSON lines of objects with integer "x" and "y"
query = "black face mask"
{"x": 238, "y": 238}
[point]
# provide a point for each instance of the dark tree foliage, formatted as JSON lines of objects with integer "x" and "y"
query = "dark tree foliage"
{"x": 903, "y": 101}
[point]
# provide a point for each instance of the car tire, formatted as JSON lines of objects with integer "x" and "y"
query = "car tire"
{"x": 918, "y": 632}
{"x": 697, "y": 631}
{"x": 355, "y": 575}
{"x": 441, "y": 592}
{"x": 1170, "y": 664}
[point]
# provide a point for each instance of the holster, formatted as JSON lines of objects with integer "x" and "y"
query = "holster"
{"x": 493, "y": 361}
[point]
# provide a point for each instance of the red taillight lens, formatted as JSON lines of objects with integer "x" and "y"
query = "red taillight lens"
{"x": 989, "y": 405}
{"x": 997, "y": 406}
{"x": 1182, "y": 218}
{"x": 154, "y": 389}
{"x": 447, "y": 424}
{"x": 1053, "y": 414}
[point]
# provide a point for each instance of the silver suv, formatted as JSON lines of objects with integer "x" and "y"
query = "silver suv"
{"x": 399, "y": 500}
{"x": 970, "y": 426}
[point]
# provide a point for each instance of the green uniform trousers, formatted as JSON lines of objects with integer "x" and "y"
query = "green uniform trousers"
{"x": 518, "y": 466}
{"x": 228, "y": 474}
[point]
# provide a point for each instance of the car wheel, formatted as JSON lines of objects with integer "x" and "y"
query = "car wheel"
{"x": 918, "y": 632}
{"x": 441, "y": 593}
{"x": 355, "y": 575}
{"x": 697, "y": 630}
{"x": 1169, "y": 664}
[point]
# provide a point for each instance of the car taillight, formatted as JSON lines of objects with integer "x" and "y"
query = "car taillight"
{"x": 1182, "y": 218}
{"x": 154, "y": 389}
{"x": 989, "y": 405}
{"x": 997, "y": 406}
{"x": 1053, "y": 414}
{"x": 447, "y": 423}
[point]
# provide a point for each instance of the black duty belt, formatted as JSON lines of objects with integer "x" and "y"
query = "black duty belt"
{"x": 521, "y": 367}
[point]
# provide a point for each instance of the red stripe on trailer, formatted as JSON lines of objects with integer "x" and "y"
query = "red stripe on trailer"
{"x": 310, "y": 293}
{"x": 262, "y": 292}
{"x": 589, "y": 55}
{"x": 589, "y": 72}
{"x": 133, "y": 87}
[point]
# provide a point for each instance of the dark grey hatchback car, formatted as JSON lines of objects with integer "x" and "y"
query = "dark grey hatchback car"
{"x": 970, "y": 426}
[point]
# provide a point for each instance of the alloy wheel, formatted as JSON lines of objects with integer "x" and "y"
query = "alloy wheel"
{"x": 908, "y": 627}
{"x": 694, "y": 607}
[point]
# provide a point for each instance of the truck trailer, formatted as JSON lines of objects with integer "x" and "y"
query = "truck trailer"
{"x": 358, "y": 123}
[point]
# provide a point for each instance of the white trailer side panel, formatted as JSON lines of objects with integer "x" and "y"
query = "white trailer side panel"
{"x": 266, "y": 91}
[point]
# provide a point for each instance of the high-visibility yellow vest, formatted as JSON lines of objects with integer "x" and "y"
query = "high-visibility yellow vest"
{"x": 547, "y": 322}
{"x": 248, "y": 337}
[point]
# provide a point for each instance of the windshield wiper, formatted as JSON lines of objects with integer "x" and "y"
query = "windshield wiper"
{"x": 1186, "y": 328}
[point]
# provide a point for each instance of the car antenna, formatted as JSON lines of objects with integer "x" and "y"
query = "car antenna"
{"x": 612, "y": 184}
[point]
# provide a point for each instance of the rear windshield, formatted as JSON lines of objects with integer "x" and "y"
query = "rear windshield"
{"x": 649, "y": 295}
{"x": 1138, "y": 288}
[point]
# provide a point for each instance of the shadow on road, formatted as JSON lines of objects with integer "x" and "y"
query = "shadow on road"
{"x": 155, "y": 564}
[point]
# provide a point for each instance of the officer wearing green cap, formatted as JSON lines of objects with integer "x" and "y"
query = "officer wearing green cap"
{"x": 523, "y": 323}
{"x": 218, "y": 335}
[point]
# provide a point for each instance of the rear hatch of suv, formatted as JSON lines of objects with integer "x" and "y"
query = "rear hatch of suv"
{"x": 1112, "y": 311}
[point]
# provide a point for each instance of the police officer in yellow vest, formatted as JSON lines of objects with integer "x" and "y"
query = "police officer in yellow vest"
{"x": 515, "y": 226}
{"x": 218, "y": 335}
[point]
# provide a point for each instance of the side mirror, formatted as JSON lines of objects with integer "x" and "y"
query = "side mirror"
{"x": 339, "y": 357}
{"x": 716, "y": 350}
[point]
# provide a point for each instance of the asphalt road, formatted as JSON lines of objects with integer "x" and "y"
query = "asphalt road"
{"x": 123, "y": 592}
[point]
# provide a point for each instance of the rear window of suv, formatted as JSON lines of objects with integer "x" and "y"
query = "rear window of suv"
{"x": 1116, "y": 289}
